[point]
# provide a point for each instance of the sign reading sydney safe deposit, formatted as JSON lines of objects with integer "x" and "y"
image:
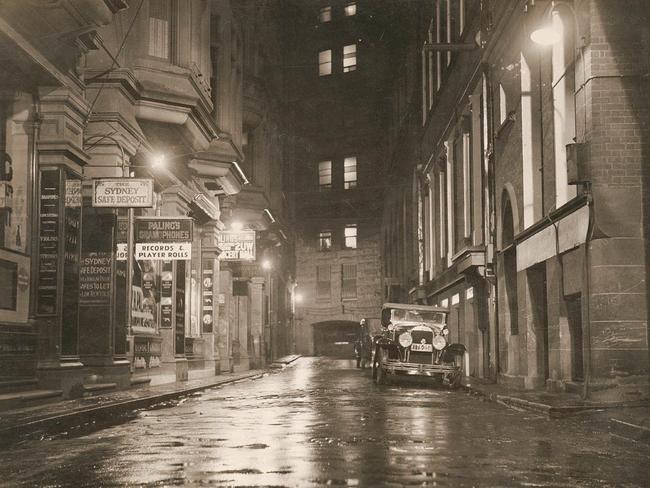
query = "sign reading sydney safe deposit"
{"x": 237, "y": 245}
{"x": 123, "y": 192}
{"x": 159, "y": 238}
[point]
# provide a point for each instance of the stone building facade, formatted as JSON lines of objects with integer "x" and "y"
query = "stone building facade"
{"x": 529, "y": 208}
{"x": 156, "y": 91}
{"x": 337, "y": 70}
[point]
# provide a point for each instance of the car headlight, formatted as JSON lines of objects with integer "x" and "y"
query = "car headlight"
{"x": 405, "y": 339}
{"x": 439, "y": 342}
{"x": 445, "y": 332}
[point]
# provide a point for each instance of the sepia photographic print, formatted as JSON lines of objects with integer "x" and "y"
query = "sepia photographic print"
{"x": 312, "y": 243}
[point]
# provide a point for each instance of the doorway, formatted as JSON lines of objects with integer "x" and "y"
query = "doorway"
{"x": 574, "y": 317}
{"x": 539, "y": 314}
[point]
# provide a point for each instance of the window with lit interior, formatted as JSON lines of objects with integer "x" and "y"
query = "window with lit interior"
{"x": 325, "y": 63}
{"x": 350, "y": 9}
{"x": 349, "y": 58}
{"x": 325, "y": 14}
{"x": 350, "y": 173}
{"x": 351, "y": 236}
{"x": 325, "y": 240}
{"x": 325, "y": 175}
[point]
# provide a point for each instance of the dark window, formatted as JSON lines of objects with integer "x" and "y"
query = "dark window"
{"x": 349, "y": 281}
{"x": 323, "y": 282}
{"x": 240, "y": 288}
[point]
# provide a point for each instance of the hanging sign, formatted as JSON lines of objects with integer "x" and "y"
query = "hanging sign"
{"x": 157, "y": 251}
{"x": 166, "y": 238}
{"x": 163, "y": 229}
{"x": 237, "y": 245}
{"x": 123, "y": 192}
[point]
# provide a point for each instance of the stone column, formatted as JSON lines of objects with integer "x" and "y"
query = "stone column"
{"x": 223, "y": 333}
{"x": 209, "y": 315}
{"x": 256, "y": 322}
{"x": 173, "y": 360}
{"x": 60, "y": 153}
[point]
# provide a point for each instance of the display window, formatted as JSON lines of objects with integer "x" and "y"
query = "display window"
{"x": 15, "y": 191}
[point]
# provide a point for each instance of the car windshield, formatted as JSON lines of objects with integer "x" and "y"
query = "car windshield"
{"x": 400, "y": 315}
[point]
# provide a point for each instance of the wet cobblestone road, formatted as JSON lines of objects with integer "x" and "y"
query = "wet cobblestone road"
{"x": 322, "y": 422}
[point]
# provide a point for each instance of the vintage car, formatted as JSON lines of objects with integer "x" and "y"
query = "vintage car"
{"x": 414, "y": 341}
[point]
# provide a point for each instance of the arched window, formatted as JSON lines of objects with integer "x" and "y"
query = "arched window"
{"x": 510, "y": 264}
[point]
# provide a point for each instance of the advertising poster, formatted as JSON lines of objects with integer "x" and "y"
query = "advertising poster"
{"x": 48, "y": 240}
{"x": 166, "y": 289}
{"x": 207, "y": 297}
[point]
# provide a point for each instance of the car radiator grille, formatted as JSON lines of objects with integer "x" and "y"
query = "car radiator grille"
{"x": 421, "y": 357}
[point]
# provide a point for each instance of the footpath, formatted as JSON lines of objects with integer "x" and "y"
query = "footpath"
{"x": 46, "y": 419}
{"x": 627, "y": 420}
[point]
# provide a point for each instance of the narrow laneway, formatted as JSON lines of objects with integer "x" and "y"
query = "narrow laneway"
{"x": 322, "y": 422}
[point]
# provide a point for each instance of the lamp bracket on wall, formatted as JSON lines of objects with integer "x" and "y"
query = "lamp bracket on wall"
{"x": 449, "y": 46}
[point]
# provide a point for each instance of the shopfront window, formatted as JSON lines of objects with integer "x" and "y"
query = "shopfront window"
{"x": 15, "y": 113}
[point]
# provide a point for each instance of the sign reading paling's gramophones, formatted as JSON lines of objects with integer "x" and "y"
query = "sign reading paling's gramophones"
{"x": 163, "y": 229}
{"x": 237, "y": 245}
{"x": 123, "y": 192}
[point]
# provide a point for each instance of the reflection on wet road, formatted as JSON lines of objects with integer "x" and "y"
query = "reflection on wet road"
{"x": 322, "y": 422}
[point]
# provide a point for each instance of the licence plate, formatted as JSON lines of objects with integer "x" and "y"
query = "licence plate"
{"x": 421, "y": 347}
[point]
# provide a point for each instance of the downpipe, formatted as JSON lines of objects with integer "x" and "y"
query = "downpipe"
{"x": 586, "y": 300}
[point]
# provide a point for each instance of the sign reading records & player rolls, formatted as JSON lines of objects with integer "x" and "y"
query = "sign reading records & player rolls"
{"x": 163, "y": 238}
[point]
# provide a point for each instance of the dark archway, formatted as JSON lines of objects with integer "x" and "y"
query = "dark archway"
{"x": 335, "y": 338}
{"x": 509, "y": 250}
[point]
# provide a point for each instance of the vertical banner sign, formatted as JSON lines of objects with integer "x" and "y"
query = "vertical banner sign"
{"x": 180, "y": 308}
{"x": 207, "y": 297}
{"x": 166, "y": 289}
{"x": 121, "y": 253}
{"x": 48, "y": 241}
{"x": 121, "y": 312}
{"x": 71, "y": 250}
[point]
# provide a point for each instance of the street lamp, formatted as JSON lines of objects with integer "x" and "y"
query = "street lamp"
{"x": 267, "y": 264}
{"x": 551, "y": 31}
{"x": 158, "y": 161}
